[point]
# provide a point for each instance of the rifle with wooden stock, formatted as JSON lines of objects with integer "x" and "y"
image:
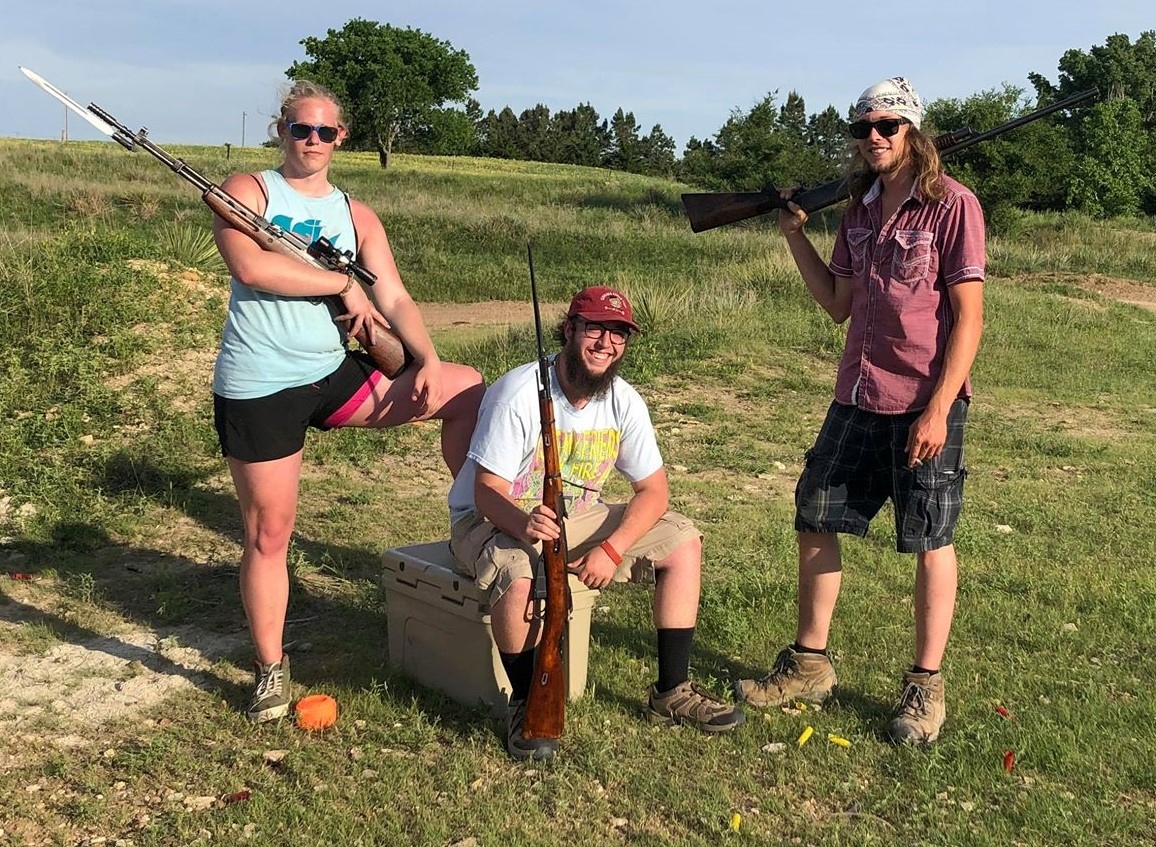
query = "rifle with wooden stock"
{"x": 710, "y": 210}
{"x": 388, "y": 353}
{"x": 546, "y": 702}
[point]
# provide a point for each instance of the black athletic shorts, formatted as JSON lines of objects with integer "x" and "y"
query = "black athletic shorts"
{"x": 273, "y": 427}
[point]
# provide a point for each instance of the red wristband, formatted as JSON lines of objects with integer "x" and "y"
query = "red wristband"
{"x": 614, "y": 555}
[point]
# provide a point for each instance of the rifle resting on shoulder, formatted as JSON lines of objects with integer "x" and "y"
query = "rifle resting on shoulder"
{"x": 387, "y": 351}
{"x": 710, "y": 210}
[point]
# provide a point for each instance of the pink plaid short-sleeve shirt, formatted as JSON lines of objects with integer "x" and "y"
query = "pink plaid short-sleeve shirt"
{"x": 900, "y": 271}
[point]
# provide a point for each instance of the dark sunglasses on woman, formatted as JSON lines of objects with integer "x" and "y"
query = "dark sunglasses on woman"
{"x": 300, "y": 132}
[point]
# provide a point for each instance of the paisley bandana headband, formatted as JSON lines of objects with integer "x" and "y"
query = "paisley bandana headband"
{"x": 895, "y": 95}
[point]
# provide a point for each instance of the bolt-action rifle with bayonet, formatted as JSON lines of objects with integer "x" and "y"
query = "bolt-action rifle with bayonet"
{"x": 386, "y": 349}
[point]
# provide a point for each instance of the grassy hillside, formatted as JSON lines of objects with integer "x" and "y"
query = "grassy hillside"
{"x": 118, "y": 518}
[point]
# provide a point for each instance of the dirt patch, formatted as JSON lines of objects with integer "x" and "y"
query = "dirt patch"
{"x": 1077, "y": 421}
{"x": 492, "y": 313}
{"x": 1121, "y": 290}
{"x": 1125, "y": 291}
{"x": 87, "y": 682}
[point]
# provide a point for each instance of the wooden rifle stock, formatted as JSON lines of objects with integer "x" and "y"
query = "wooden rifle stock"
{"x": 388, "y": 353}
{"x": 546, "y": 704}
{"x": 710, "y": 210}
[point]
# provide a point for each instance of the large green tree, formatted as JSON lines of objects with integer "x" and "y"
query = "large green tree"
{"x": 444, "y": 132}
{"x": 1119, "y": 67}
{"x": 770, "y": 144}
{"x": 1026, "y": 167}
{"x": 536, "y": 141}
{"x": 752, "y": 149}
{"x": 390, "y": 80}
{"x": 582, "y": 137}
{"x": 498, "y": 135}
{"x": 1112, "y": 177}
{"x": 1118, "y": 143}
{"x": 626, "y": 152}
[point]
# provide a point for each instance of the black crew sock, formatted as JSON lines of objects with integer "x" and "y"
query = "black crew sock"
{"x": 799, "y": 648}
{"x": 520, "y": 671}
{"x": 917, "y": 669}
{"x": 673, "y": 658}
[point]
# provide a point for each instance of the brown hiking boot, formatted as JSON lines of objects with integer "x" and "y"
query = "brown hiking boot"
{"x": 694, "y": 706}
{"x": 796, "y": 676}
{"x": 921, "y": 709}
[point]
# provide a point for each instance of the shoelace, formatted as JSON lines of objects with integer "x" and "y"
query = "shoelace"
{"x": 912, "y": 698}
{"x": 696, "y": 702}
{"x": 709, "y": 702}
{"x": 783, "y": 666}
{"x": 270, "y": 681}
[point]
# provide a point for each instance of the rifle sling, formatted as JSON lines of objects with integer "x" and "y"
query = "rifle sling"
{"x": 539, "y": 588}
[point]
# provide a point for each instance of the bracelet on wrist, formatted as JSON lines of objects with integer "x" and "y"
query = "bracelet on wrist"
{"x": 348, "y": 285}
{"x": 609, "y": 550}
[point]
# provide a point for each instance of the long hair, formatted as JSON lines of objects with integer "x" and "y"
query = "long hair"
{"x": 304, "y": 89}
{"x": 922, "y": 154}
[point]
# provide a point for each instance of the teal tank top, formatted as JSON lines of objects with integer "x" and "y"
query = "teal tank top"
{"x": 272, "y": 342}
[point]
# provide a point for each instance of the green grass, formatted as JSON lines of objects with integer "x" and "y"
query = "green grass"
{"x": 116, "y": 501}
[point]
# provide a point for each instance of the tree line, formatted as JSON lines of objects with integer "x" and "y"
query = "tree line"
{"x": 408, "y": 91}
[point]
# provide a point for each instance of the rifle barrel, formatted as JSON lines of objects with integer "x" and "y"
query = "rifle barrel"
{"x": 975, "y": 138}
{"x": 707, "y": 210}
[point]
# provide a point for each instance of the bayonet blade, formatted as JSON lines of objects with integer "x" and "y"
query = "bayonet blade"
{"x": 48, "y": 87}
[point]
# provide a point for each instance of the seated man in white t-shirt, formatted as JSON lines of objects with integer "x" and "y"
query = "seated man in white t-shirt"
{"x": 499, "y": 521}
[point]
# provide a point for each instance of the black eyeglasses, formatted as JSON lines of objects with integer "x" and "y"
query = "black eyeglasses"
{"x": 594, "y": 331}
{"x": 886, "y": 127}
{"x": 326, "y": 134}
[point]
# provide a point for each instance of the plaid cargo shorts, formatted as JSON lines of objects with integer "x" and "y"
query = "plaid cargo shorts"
{"x": 860, "y": 460}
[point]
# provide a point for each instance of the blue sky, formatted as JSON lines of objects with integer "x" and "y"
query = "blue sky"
{"x": 208, "y": 71}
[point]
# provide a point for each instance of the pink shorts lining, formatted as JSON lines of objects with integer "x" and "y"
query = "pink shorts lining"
{"x": 342, "y": 415}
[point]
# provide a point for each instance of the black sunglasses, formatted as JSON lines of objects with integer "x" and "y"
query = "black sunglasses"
{"x": 327, "y": 134}
{"x": 886, "y": 127}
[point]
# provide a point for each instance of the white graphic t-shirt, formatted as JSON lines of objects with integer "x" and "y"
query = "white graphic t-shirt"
{"x": 613, "y": 432}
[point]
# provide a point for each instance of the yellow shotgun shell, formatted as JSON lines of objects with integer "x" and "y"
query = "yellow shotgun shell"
{"x": 806, "y": 736}
{"x": 736, "y": 819}
{"x": 836, "y": 739}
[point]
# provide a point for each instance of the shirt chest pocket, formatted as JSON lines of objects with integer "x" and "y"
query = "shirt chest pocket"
{"x": 911, "y": 260}
{"x": 859, "y": 241}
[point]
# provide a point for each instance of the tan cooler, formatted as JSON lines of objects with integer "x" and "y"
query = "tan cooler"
{"x": 439, "y": 628}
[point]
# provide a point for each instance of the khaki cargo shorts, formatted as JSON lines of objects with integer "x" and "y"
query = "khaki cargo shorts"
{"x": 494, "y": 560}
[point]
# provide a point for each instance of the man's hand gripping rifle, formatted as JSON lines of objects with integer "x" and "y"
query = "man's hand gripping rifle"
{"x": 546, "y": 704}
{"x": 388, "y": 353}
{"x": 707, "y": 211}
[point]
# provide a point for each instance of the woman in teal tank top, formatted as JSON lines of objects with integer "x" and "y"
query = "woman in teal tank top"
{"x": 284, "y": 366}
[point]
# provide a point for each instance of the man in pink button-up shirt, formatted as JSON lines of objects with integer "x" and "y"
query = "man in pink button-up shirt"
{"x": 908, "y": 270}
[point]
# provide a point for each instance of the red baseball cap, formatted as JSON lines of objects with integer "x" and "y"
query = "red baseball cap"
{"x": 599, "y": 303}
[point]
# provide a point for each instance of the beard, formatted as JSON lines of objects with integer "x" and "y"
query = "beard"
{"x": 586, "y": 384}
{"x": 893, "y": 164}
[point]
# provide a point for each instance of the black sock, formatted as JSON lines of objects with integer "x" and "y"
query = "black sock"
{"x": 520, "y": 671}
{"x": 673, "y": 658}
{"x": 917, "y": 669}
{"x": 799, "y": 648}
